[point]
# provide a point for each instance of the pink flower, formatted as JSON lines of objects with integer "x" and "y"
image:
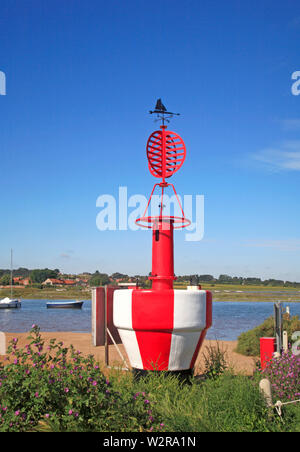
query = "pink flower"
{"x": 17, "y": 413}
{"x": 70, "y": 412}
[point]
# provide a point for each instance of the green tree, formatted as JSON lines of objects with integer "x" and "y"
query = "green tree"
{"x": 99, "y": 279}
{"x": 39, "y": 276}
{"x": 5, "y": 280}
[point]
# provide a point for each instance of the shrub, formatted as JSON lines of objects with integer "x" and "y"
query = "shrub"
{"x": 214, "y": 358}
{"x": 248, "y": 342}
{"x": 58, "y": 388}
{"x": 284, "y": 375}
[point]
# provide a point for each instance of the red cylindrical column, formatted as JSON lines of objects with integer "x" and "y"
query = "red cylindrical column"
{"x": 162, "y": 255}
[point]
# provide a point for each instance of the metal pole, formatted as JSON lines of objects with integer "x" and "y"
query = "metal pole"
{"x": 278, "y": 325}
{"x": 105, "y": 328}
{"x": 11, "y": 273}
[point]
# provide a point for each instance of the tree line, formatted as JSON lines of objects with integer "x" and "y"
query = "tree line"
{"x": 237, "y": 280}
{"x": 37, "y": 276}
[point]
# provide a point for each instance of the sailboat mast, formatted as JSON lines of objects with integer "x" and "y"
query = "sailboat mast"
{"x": 11, "y": 272}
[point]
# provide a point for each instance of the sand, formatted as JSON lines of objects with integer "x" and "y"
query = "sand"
{"x": 83, "y": 342}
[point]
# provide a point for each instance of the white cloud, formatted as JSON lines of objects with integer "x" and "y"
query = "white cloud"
{"x": 286, "y": 157}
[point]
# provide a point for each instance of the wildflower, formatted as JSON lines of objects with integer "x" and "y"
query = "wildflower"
{"x": 94, "y": 383}
{"x": 47, "y": 415}
{"x": 66, "y": 389}
{"x": 17, "y": 413}
{"x": 70, "y": 412}
{"x": 36, "y": 394}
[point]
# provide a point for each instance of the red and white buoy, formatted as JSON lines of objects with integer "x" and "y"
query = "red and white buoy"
{"x": 162, "y": 328}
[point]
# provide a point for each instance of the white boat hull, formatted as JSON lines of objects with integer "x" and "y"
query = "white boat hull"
{"x": 7, "y": 303}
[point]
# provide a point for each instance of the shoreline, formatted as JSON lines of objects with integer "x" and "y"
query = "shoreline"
{"x": 231, "y": 295}
{"x": 83, "y": 343}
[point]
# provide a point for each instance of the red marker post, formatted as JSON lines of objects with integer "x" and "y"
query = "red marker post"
{"x": 267, "y": 349}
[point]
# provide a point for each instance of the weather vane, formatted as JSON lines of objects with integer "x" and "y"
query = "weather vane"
{"x": 161, "y": 111}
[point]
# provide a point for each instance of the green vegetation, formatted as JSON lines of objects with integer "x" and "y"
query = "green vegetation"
{"x": 99, "y": 279}
{"x": 39, "y": 276}
{"x": 220, "y": 292}
{"x": 57, "y": 389}
{"x": 48, "y": 293}
{"x": 236, "y": 281}
{"x": 284, "y": 375}
{"x": 248, "y": 342}
{"x": 54, "y": 388}
{"x": 5, "y": 280}
{"x": 224, "y": 288}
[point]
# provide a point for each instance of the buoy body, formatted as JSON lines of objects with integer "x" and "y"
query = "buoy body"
{"x": 162, "y": 330}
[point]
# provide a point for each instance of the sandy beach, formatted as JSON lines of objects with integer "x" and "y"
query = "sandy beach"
{"x": 83, "y": 342}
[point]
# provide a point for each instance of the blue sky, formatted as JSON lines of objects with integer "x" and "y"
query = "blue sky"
{"x": 80, "y": 79}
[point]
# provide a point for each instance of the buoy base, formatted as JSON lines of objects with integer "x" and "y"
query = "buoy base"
{"x": 183, "y": 375}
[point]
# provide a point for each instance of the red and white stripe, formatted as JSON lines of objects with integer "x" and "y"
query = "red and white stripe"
{"x": 162, "y": 330}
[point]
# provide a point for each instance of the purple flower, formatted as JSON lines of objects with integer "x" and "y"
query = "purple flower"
{"x": 66, "y": 389}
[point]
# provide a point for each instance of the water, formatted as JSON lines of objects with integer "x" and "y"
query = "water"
{"x": 35, "y": 311}
{"x": 230, "y": 319}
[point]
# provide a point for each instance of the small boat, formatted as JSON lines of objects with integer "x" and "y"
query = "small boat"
{"x": 7, "y": 303}
{"x": 65, "y": 304}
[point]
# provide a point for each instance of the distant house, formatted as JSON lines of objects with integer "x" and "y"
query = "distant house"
{"x": 69, "y": 282}
{"x": 19, "y": 280}
{"x": 81, "y": 282}
{"x": 25, "y": 282}
{"x": 52, "y": 282}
